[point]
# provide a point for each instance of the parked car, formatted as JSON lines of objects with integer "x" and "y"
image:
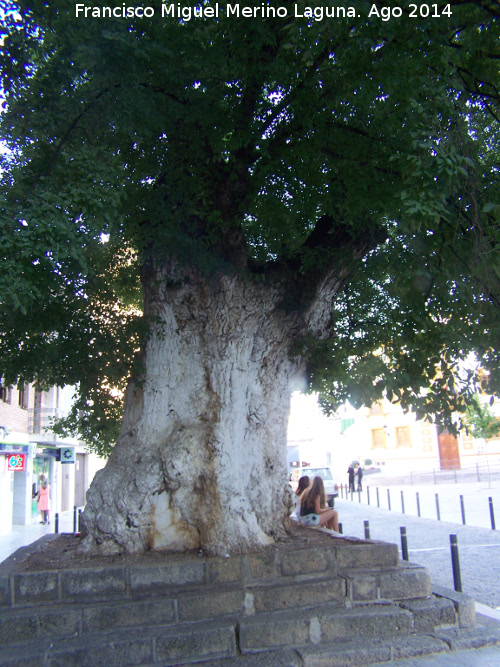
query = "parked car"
{"x": 331, "y": 488}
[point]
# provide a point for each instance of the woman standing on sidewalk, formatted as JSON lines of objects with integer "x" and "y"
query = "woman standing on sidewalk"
{"x": 313, "y": 503}
{"x": 44, "y": 499}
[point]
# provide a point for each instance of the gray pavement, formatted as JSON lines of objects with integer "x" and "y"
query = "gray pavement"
{"x": 21, "y": 536}
{"x": 485, "y": 657}
{"x": 429, "y": 539}
{"x": 429, "y": 544}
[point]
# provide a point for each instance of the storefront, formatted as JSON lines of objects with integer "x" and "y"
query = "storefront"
{"x": 16, "y": 464}
{"x": 43, "y": 464}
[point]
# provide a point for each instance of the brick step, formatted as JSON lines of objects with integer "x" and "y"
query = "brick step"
{"x": 88, "y": 586}
{"x": 69, "y": 618}
{"x": 186, "y": 572}
{"x": 185, "y": 609}
{"x": 342, "y": 653}
{"x": 173, "y": 642}
{"x": 66, "y": 616}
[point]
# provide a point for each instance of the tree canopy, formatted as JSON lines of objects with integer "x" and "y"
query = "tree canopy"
{"x": 253, "y": 145}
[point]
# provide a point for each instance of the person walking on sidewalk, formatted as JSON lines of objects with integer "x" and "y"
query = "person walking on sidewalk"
{"x": 43, "y": 500}
{"x": 350, "y": 473}
{"x": 359, "y": 475}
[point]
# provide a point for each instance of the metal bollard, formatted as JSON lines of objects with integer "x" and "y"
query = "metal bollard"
{"x": 74, "y": 519}
{"x": 341, "y": 529}
{"x": 492, "y": 514}
{"x": 378, "y": 498}
{"x": 462, "y": 508}
{"x": 418, "y": 504}
{"x": 56, "y": 523}
{"x": 80, "y": 521}
{"x": 367, "y": 530}
{"x": 404, "y": 543}
{"x": 437, "y": 508}
{"x": 402, "y": 503}
{"x": 368, "y": 495}
{"x": 359, "y": 495}
{"x": 455, "y": 563}
{"x": 352, "y": 495}
{"x": 389, "y": 499}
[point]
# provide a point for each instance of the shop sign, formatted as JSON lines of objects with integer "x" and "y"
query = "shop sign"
{"x": 16, "y": 462}
{"x": 13, "y": 448}
{"x": 67, "y": 455}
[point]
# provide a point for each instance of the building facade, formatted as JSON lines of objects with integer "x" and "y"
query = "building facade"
{"x": 29, "y": 449}
{"x": 383, "y": 435}
{"x": 399, "y": 442}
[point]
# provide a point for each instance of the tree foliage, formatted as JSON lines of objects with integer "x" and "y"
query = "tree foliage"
{"x": 480, "y": 420}
{"x": 252, "y": 145}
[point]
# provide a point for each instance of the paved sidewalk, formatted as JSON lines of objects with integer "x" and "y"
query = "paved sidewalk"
{"x": 21, "y": 536}
{"x": 447, "y": 496}
{"x": 429, "y": 545}
{"x": 429, "y": 539}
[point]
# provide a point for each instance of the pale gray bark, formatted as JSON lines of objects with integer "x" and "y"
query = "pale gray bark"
{"x": 201, "y": 459}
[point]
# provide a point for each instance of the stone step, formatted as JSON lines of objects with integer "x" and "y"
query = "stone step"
{"x": 315, "y": 637}
{"x": 281, "y": 567}
{"x": 32, "y": 589}
{"x": 185, "y": 644}
{"x": 64, "y": 616}
{"x": 322, "y": 625}
{"x": 183, "y": 609}
{"x": 67, "y": 617}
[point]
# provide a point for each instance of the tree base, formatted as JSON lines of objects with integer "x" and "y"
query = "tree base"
{"x": 306, "y": 598}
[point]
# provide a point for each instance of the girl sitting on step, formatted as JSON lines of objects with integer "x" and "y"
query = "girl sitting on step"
{"x": 313, "y": 509}
{"x": 302, "y": 486}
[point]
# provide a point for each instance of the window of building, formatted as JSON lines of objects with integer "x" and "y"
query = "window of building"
{"x": 403, "y": 436}
{"x": 378, "y": 438}
{"x": 4, "y": 394}
{"x": 376, "y": 408}
{"x": 23, "y": 397}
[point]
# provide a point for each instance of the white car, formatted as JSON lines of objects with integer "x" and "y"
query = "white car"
{"x": 331, "y": 488}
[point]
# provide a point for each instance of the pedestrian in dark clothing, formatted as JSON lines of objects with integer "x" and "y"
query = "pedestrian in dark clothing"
{"x": 350, "y": 472}
{"x": 359, "y": 475}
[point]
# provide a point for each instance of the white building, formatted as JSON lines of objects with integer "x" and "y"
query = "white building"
{"x": 313, "y": 438}
{"x": 394, "y": 441}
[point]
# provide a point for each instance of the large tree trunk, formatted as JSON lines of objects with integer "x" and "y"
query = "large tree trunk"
{"x": 201, "y": 459}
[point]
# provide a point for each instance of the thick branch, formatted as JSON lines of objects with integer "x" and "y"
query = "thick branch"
{"x": 319, "y": 271}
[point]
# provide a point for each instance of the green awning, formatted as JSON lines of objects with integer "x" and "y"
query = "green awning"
{"x": 345, "y": 424}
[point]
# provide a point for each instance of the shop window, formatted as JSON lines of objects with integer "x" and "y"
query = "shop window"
{"x": 378, "y": 438}
{"x": 403, "y": 436}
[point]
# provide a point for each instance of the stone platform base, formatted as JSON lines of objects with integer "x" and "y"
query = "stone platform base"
{"x": 317, "y": 602}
